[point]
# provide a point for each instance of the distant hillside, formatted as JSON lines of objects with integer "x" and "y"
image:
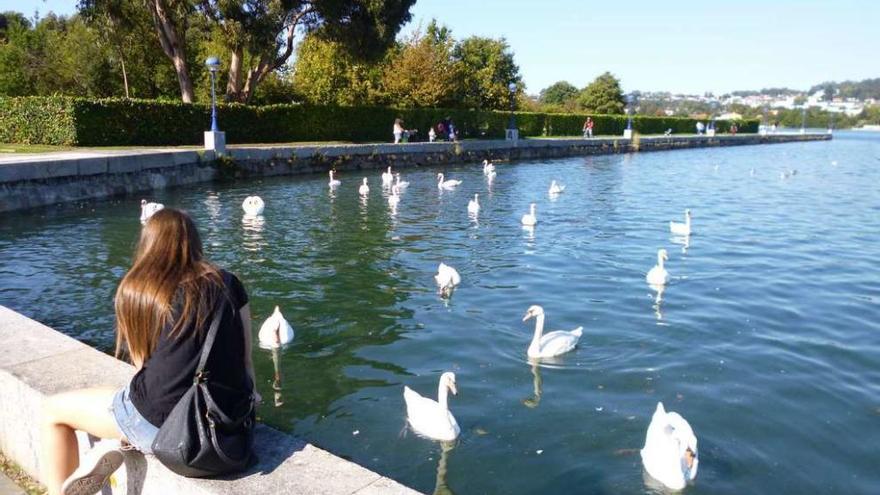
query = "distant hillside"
{"x": 768, "y": 92}
{"x": 869, "y": 88}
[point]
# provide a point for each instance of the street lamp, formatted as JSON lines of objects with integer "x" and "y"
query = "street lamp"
{"x": 512, "y": 132}
{"x": 627, "y": 133}
{"x": 213, "y": 64}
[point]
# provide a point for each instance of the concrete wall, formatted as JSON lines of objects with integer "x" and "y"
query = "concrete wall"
{"x": 55, "y": 179}
{"x": 36, "y": 361}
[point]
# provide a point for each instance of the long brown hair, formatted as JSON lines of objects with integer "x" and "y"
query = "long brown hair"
{"x": 168, "y": 271}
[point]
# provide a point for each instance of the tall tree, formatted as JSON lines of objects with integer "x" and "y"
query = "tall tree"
{"x": 261, "y": 32}
{"x": 171, "y": 19}
{"x": 559, "y": 93}
{"x": 488, "y": 69}
{"x": 422, "y": 73}
{"x": 603, "y": 95}
{"x": 326, "y": 73}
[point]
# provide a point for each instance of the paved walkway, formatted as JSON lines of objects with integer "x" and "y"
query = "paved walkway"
{"x": 78, "y": 155}
{"x": 7, "y": 487}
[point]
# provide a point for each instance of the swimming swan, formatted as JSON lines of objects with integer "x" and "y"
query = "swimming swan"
{"x": 364, "y": 189}
{"x": 554, "y": 343}
{"x": 387, "y": 177}
{"x": 530, "y": 219}
{"x": 679, "y": 228}
{"x": 670, "y": 454}
{"x": 333, "y": 182}
{"x": 488, "y": 167}
{"x": 447, "y": 278}
{"x": 474, "y": 205}
{"x": 394, "y": 199}
{"x": 276, "y": 331}
{"x": 556, "y": 188}
{"x": 446, "y": 184}
{"x": 253, "y": 206}
{"x": 658, "y": 275}
{"x": 432, "y": 418}
{"x": 401, "y": 184}
{"x": 148, "y": 210}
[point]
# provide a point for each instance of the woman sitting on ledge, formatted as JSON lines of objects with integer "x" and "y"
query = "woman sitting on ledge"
{"x": 164, "y": 306}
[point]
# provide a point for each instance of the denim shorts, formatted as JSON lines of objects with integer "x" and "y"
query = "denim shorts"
{"x": 137, "y": 430}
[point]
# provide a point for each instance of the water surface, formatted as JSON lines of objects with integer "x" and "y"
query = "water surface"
{"x": 766, "y": 340}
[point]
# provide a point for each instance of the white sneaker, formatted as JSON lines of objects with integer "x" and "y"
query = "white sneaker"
{"x": 94, "y": 469}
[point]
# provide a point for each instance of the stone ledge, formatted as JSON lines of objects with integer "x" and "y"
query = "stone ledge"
{"x": 43, "y": 362}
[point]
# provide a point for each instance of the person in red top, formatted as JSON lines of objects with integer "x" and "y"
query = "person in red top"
{"x": 588, "y": 128}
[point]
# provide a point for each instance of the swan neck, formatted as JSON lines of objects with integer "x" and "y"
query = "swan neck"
{"x": 442, "y": 396}
{"x": 660, "y": 261}
{"x": 539, "y": 331}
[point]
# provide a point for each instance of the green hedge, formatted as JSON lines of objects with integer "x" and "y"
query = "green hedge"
{"x": 121, "y": 122}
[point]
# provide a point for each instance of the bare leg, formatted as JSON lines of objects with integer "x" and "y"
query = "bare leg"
{"x": 86, "y": 410}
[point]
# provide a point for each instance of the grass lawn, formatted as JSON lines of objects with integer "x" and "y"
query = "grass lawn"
{"x": 30, "y": 148}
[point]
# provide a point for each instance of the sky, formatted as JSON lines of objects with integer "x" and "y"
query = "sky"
{"x": 681, "y": 46}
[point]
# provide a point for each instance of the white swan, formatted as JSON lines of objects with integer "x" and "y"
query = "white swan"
{"x": 333, "y": 182}
{"x": 148, "y": 210}
{"x": 530, "y": 219}
{"x": 447, "y": 278}
{"x": 364, "y": 189}
{"x": 670, "y": 454}
{"x": 553, "y": 343}
{"x": 474, "y": 205}
{"x": 253, "y": 206}
{"x": 556, "y": 188}
{"x": 679, "y": 228}
{"x": 276, "y": 331}
{"x": 488, "y": 167}
{"x": 432, "y": 418}
{"x": 658, "y": 275}
{"x": 446, "y": 184}
{"x": 394, "y": 199}
{"x": 491, "y": 176}
{"x": 401, "y": 184}
{"x": 387, "y": 177}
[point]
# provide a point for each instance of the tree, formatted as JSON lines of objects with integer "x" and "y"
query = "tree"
{"x": 171, "y": 19}
{"x": 560, "y": 93}
{"x": 488, "y": 69}
{"x": 326, "y": 73}
{"x": 603, "y": 96}
{"x": 260, "y": 33}
{"x": 422, "y": 73}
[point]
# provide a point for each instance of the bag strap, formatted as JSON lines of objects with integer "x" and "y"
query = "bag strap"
{"x": 209, "y": 339}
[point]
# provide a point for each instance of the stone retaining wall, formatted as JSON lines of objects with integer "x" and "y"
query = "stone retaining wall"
{"x": 36, "y": 361}
{"x": 48, "y": 181}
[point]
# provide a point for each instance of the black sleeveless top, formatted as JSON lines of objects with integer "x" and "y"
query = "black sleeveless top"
{"x": 168, "y": 373}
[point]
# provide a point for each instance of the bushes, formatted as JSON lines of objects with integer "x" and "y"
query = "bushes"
{"x": 121, "y": 122}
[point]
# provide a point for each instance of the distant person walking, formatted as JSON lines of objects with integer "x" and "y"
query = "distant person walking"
{"x": 588, "y": 128}
{"x": 432, "y": 135}
{"x": 398, "y": 129}
{"x": 700, "y": 127}
{"x": 733, "y": 129}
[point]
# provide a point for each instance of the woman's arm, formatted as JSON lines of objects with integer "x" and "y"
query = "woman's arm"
{"x": 249, "y": 346}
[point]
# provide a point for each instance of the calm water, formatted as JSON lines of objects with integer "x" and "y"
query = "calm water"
{"x": 767, "y": 339}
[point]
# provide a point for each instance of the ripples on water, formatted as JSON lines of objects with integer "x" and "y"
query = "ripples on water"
{"x": 766, "y": 340}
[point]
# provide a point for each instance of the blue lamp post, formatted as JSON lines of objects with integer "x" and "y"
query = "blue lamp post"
{"x": 629, "y": 118}
{"x": 213, "y": 64}
{"x": 804, "y": 119}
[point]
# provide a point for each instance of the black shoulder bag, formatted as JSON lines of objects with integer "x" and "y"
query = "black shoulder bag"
{"x": 198, "y": 439}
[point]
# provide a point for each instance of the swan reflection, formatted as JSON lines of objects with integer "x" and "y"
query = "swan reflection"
{"x": 682, "y": 240}
{"x": 276, "y": 378}
{"x": 253, "y": 232}
{"x": 658, "y": 300}
{"x": 440, "y": 487}
{"x": 537, "y": 385}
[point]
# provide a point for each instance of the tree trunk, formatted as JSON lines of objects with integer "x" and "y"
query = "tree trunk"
{"x": 173, "y": 45}
{"x": 124, "y": 74}
{"x": 233, "y": 85}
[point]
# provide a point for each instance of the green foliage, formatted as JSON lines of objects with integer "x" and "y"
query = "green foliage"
{"x": 869, "y": 88}
{"x": 422, "y": 73}
{"x": 37, "y": 120}
{"x": 327, "y": 74}
{"x": 121, "y": 122}
{"x": 488, "y": 69}
{"x": 603, "y": 95}
{"x": 559, "y": 93}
